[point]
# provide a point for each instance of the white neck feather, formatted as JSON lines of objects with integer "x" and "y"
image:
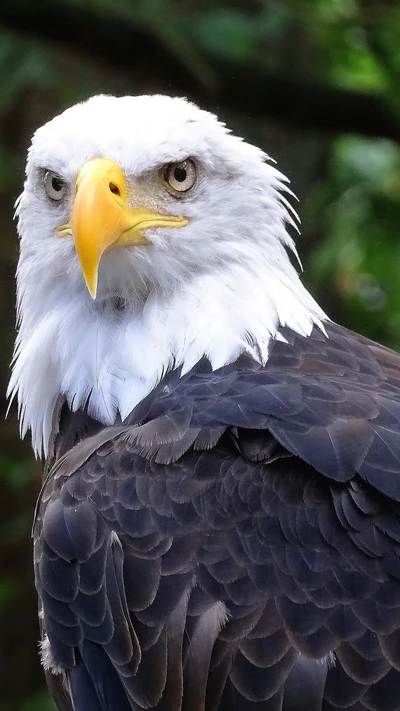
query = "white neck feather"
{"x": 109, "y": 359}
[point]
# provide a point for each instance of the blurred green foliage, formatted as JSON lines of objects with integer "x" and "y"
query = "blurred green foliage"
{"x": 349, "y": 185}
{"x": 359, "y": 255}
{"x": 38, "y": 702}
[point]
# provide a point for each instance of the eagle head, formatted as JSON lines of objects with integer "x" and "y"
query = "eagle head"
{"x": 150, "y": 238}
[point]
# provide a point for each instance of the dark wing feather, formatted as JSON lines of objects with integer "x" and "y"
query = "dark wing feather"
{"x": 235, "y": 544}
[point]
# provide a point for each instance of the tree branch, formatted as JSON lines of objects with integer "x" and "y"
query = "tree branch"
{"x": 126, "y": 45}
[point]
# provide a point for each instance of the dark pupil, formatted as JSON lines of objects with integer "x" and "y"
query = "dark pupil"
{"x": 180, "y": 175}
{"x": 57, "y": 184}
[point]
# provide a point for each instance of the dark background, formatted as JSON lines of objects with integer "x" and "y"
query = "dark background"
{"x": 314, "y": 82}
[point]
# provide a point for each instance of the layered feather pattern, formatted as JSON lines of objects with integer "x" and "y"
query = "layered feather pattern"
{"x": 234, "y": 543}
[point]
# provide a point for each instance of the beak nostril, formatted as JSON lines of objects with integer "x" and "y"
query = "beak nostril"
{"x": 114, "y": 189}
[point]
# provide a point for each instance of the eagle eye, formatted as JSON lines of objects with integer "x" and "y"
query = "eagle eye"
{"x": 54, "y": 186}
{"x": 180, "y": 177}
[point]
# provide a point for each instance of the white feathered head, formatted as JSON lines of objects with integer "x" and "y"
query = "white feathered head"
{"x": 150, "y": 237}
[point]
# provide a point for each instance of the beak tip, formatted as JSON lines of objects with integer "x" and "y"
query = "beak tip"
{"x": 91, "y": 285}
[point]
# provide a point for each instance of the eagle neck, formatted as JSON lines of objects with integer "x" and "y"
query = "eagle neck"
{"x": 105, "y": 357}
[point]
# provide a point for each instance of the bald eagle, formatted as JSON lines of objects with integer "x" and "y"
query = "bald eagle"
{"x": 219, "y": 523}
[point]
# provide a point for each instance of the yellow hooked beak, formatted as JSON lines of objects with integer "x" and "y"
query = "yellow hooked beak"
{"x": 101, "y": 217}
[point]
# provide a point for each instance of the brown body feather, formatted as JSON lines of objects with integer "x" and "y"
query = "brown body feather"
{"x": 234, "y": 545}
